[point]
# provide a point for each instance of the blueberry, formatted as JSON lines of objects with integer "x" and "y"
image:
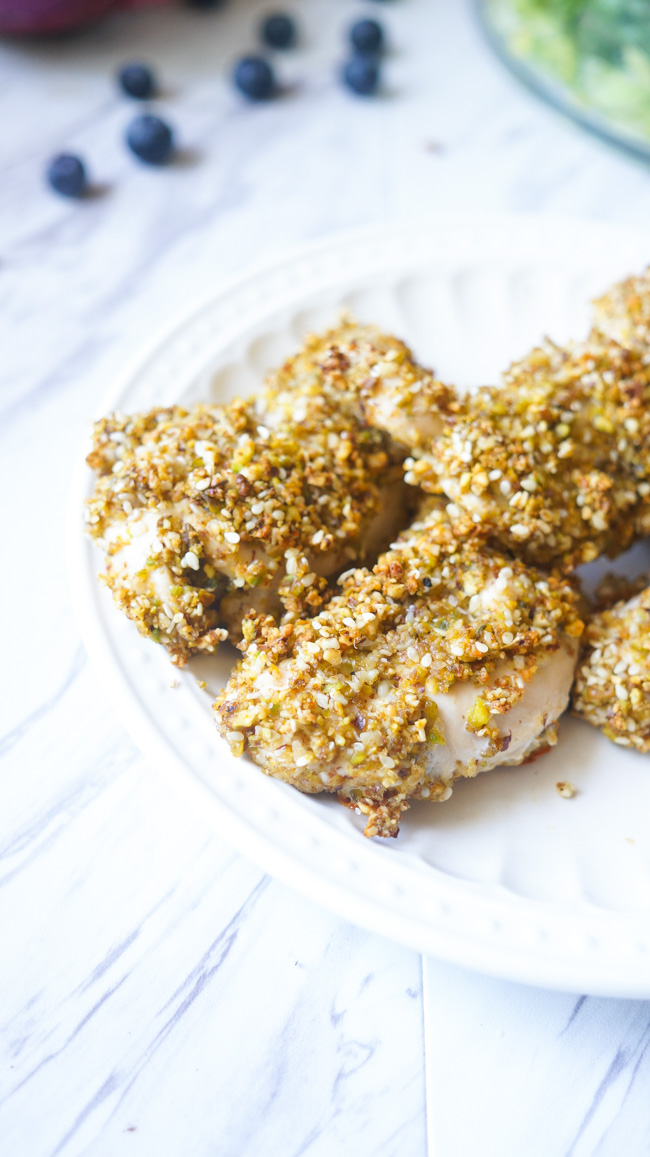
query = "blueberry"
{"x": 67, "y": 175}
{"x": 137, "y": 80}
{"x": 278, "y": 30}
{"x": 361, "y": 74}
{"x": 254, "y": 77}
{"x": 150, "y": 139}
{"x": 367, "y": 37}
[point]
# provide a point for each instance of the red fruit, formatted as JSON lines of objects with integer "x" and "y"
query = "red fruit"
{"x": 38, "y": 16}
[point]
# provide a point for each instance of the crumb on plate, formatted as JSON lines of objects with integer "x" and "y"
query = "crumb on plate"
{"x": 565, "y": 789}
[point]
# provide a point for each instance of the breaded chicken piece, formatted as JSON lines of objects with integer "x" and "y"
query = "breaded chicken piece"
{"x": 208, "y": 512}
{"x": 623, "y": 313}
{"x": 371, "y": 373}
{"x": 612, "y": 689}
{"x": 553, "y": 464}
{"x": 445, "y": 660}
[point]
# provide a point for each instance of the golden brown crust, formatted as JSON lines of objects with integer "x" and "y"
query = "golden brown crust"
{"x": 555, "y": 463}
{"x": 346, "y": 702}
{"x": 612, "y": 689}
{"x": 623, "y": 313}
{"x": 253, "y": 506}
{"x": 370, "y": 373}
{"x": 273, "y": 492}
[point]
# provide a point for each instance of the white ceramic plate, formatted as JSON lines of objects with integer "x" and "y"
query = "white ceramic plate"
{"x": 507, "y": 877}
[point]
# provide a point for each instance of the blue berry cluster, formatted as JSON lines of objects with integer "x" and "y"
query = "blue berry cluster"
{"x": 148, "y": 137}
{"x": 151, "y": 139}
{"x": 361, "y": 72}
{"x": 254, "y": 75}
{"x": 255, "y": 78}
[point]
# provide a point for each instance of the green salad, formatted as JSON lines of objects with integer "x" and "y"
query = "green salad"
{"x": 599, "y": 49}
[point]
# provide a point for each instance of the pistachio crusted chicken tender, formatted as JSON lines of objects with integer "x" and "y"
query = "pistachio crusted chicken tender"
{"x": 554, "y": 464}
{"x": 612, "y": 689}
{"x": 445, "y": 660}
{"x": 208, "y": 512}
{"x": 623, "y": 313}
{"x": 371, "y": 374}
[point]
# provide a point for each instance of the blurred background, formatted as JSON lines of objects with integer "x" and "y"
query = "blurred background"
{"x": 448, "y": 127}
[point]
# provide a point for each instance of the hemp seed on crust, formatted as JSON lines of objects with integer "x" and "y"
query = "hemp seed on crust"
{"x": 443, "y": 661}
{"x": 612, "y": 689}
{"x": 623, "y": 313}
{"x": 372, "y": 373}
{"x": 554, "y": 464}
{"x": 207, "y": 512}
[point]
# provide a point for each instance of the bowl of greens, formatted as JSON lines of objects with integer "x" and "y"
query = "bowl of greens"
{"x": 590, "y": 58}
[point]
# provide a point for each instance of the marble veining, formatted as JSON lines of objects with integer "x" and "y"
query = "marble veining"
{"x": 549, "y": 1073}
{"x": 160, "y": 995}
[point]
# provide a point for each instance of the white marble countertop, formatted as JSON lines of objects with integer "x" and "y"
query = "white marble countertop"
{"x": 160, "y": 995}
